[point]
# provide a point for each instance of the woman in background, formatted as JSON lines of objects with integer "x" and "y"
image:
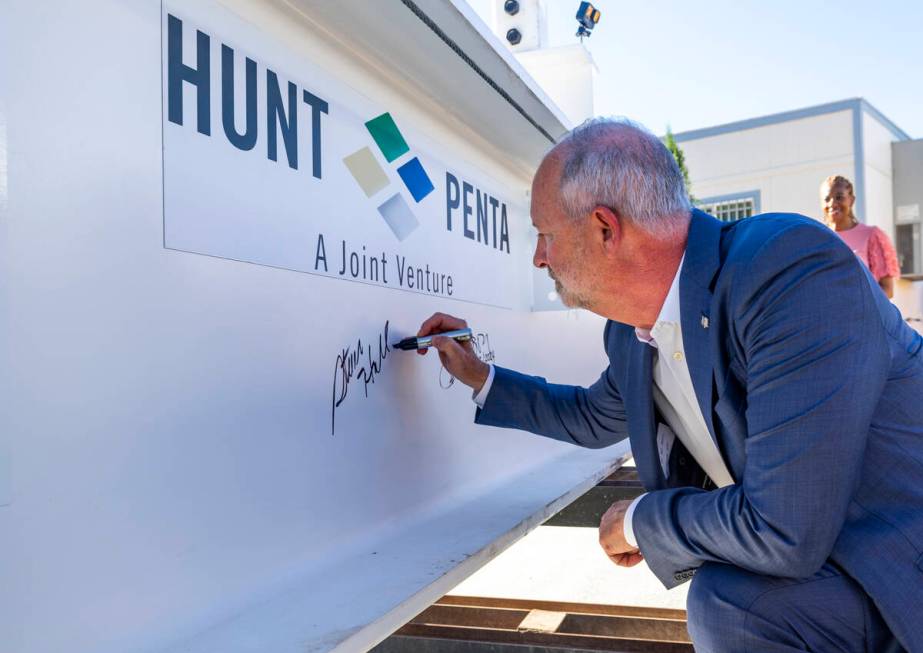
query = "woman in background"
{"x": 870, "y": 244}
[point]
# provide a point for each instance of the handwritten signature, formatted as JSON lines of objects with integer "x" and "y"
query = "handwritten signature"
{"x": 359, "y": 364}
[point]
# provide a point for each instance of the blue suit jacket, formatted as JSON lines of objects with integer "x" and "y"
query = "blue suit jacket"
{"x": 811, "y": 385}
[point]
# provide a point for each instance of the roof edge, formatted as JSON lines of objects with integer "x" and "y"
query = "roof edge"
{"x": 851, "y": 104}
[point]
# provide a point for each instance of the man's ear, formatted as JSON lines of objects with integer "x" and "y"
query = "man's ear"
{"x": 606, "y": 223}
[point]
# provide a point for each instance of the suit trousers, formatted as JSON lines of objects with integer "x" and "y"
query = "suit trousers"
{"x": 735, "y": 611}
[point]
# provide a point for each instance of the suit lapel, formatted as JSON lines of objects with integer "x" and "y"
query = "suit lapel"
{"x": 695, "y": 298}
{"x": 639, "y": 404}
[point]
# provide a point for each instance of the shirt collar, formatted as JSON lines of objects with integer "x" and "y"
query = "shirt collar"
{"x": 669, "y": 311}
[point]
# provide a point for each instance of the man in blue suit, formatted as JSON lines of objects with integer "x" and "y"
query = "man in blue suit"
{"x": 773, "y": 397}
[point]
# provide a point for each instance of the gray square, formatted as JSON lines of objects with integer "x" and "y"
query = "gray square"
{"x": 398, "y": 216}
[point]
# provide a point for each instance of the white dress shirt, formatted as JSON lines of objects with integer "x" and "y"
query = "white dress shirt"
{"x": 674, "y": 396}
{"x": 675, "y": 399}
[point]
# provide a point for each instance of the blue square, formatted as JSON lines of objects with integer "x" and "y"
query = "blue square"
{"x": 415, "y": 179}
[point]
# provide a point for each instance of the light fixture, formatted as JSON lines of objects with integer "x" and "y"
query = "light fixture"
{"x": 587, "y": 17}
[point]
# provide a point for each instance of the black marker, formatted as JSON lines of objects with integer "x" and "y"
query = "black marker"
{"x": 424, "y": 342}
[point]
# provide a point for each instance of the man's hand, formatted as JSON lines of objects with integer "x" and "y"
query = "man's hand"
{"x": 612, "y": 536}
{"x": 457, "y": 357}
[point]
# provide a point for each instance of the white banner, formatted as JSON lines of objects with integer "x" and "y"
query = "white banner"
{"x": 268, "y": 160}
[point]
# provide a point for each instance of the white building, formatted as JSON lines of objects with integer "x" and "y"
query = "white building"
{"x": 777, "y": 163}
{"x": 566, "y": 72}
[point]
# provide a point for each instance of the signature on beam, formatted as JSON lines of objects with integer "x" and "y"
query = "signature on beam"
{"x": 482, "y": 349}
{"x": 359, "y": 364}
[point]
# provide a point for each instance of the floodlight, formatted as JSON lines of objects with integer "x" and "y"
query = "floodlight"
{"x": 587, "y": 18}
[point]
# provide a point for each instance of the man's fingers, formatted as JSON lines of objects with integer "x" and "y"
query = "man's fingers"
{"x": 449, "y": 348}
{"x": 461, "y": 362}
{"x": 440, "y": 323}
{"x": 450, "y": 354}
{"x": 626, "y": 559}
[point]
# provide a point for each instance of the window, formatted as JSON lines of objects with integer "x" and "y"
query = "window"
{"x": 731, "y": 209}
{"x": 908, "y": 238}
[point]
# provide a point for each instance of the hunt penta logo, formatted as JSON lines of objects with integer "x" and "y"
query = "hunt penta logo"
{"x": 372, "y": 178}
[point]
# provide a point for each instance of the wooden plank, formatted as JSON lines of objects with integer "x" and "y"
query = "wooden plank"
{"x": 639, "y": 628}
{"x": 622, "y": 622}
{"x": 497, "y": 625}
{"x": 473, "y": 616}
{"x": 588, "y": 509}
{"x": 623, "y": 477}
{"x": 550, "y": 640}
{"x": 542, "y": 621}
{"x": 563, "y": 606}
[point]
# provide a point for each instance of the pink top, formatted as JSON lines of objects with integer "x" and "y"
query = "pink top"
{"x": 874, "y": 249}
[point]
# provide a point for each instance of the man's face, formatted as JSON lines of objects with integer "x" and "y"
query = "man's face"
{"x": 561, "y": 248}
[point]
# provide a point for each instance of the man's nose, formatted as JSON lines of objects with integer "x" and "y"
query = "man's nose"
{"x": 538, "y": 258}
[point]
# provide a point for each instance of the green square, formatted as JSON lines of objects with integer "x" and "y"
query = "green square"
{"x": 387, "y": 136}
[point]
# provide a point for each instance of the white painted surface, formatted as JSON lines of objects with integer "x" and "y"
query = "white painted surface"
{"x": 763, "y": 150}
{"x": 567, "y": 74}
{"x": 879, "y": 190}
{"x": 907, "y": 214}
{"x": 531, "y": 20}
{"x": 6, "y": 470}
{"x": 426, "y": 558}
{"x": 3, "y": 149}
{"x": 5, "y": 343}
{"x": 319, "y": 220}
{"x": 174, "y": 480}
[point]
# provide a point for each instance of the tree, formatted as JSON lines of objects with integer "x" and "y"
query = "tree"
{"x": 670, "y": 141}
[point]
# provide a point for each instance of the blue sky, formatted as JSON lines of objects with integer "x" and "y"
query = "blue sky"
{"x": 697, "y": 64}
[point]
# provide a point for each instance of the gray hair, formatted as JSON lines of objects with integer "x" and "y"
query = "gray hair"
{"x": 617, "y": 163}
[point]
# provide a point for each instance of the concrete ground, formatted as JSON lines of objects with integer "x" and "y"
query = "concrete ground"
{"x": 564, "y": 563}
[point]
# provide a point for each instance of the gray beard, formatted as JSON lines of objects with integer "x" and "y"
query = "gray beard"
{"x": 569, "y": 299}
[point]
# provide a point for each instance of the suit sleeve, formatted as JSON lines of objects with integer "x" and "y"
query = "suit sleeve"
{"x": 590, "y": 417}
{"x": 816, "y": 360}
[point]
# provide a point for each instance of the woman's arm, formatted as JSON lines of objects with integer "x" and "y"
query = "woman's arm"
{"x": 883, "y": 261}
{"x": 887, "y": 285}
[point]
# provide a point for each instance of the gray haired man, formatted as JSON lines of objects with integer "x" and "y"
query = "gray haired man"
{"x": 770, "y": 391}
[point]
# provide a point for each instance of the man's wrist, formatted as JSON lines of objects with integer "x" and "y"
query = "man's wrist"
{"x": 480, "y": 396}
{"x": 628, "y": 530}
{"x": 483, "y": 375}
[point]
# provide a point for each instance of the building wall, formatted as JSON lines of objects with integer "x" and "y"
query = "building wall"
{"x": 908, "y": 191}
{"x": 908, "y": 296}
{"x": 876, "y": 163}
{"x": 784, "y": 161}
{"x": 566, "y": 74}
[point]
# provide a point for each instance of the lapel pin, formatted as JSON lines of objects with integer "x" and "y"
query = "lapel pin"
{"x": 704, "y": 321}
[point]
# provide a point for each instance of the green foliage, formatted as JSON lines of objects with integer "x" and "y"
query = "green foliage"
{"x": 670, "y": 141}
